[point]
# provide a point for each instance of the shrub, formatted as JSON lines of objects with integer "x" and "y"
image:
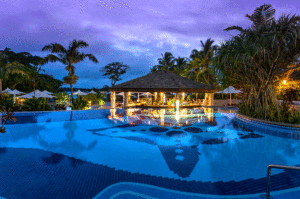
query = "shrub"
{"x": 36, "y": 104}
{"x": 91, "y": 97}
{"x": 7, "y": 108}
{"x": 101, "y": 102}
{"x": 79, "y": 103}
{"x": 60, "y": 107}
{"x": 290, "y": 94}
{"x": 62, "y": 98}
{"x": 283, "y": 114}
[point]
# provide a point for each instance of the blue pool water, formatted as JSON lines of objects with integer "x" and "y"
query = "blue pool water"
{"x": 145, "y": 153}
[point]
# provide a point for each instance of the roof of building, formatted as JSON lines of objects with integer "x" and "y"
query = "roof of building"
{"x": 163, "y": 81}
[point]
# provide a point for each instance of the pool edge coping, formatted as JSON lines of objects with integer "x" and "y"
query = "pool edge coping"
{"x": 265, "y": 122}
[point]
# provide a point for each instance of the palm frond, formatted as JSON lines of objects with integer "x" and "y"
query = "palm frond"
{"x": 92, "y": 58}
{"x": 50, "y": 58}
{"x": 238, "y": 28}
{"x": 54, "y": 48}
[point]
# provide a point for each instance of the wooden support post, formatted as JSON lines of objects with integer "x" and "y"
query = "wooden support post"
{"x": 126, "y": 96}
{"x": 113, "y": 99}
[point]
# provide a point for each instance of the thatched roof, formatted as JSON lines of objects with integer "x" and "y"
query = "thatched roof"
{"x": 163, "y": 81}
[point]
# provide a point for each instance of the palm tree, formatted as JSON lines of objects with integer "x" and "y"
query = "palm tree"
{"x": 181, "y": 66}
{"x": 8, "y": 67}
{"x": 71, "y": 80}
{"x": 201, "y": 61}
{"x": 34, "y": 74}
{"x": 263, "y": 16}
{"x": 165, "y": 63}
{"x": 69, "y": 56}
{"x": 262, "y": 53}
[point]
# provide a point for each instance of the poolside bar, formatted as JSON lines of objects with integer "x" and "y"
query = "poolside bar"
{"x": 160, "y": 83}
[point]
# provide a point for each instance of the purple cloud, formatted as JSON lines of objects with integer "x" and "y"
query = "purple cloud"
{"x": 133, "y": 32}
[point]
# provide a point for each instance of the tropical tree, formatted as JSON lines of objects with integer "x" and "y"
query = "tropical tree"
{"x": 167, "y": 62}
{"x": 8, "y": 66}
{"x": 69, "y": 56}
{"x": 34, "y": 74}
{"x": 114, "y": 70}
{"x": 181, "y": 66}
{"x": 29, "y": 73}
{"x": 71, "y": 80}
{"x": 201, "y": 62}
{"x": 7, "y": 109}
{"x": 258, "y": 56}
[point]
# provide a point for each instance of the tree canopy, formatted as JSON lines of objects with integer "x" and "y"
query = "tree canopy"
{"x": 260, "y": 55}
{"x": 114, "y": 70}
{"x": 69, "y": 56}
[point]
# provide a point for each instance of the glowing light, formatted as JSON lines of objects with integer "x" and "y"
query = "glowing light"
{"x": 284, "y": 81}
{"x": 177, "y": 104}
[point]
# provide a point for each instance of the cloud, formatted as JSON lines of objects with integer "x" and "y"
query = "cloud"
{"x": 129, "y": 31}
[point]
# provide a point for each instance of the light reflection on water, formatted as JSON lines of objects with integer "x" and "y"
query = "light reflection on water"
{"x": 221, "y": 151}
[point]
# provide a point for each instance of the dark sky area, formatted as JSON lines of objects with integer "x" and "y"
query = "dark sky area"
{"x": 134, "y": 32}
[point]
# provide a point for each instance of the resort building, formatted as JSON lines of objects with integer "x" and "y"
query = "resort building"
{"x": 160, "y": 83}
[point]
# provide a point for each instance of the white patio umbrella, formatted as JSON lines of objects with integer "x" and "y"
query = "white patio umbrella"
{"x": 15, "y": 92}
{"x": 47, "y": 92}
{"x": 6, "y": 90}
{"x": 122, "y": 93}
{"x": 138, "y": 100}
{"x": 34, "y": 92}
{"x": 147, "y": 94}
{"x": 79, "y": 92}
{"x": 92, "y": 92}
{"x": 43, "y": 95}
{"x": 230, "y": 90}
{"x": 37, "y": 94}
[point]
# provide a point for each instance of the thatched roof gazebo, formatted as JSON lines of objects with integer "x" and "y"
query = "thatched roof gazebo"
{"x": 163, "y": 81}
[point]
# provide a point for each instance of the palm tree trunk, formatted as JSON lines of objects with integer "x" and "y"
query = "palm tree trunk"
{"x": 34, "y": 85}
{"x": 71, "y": 92}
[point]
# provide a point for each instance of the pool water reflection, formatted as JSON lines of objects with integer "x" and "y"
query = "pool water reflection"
{"x": 202, "y": 148}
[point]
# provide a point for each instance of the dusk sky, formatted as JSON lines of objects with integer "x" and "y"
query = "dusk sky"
{"x": 134, "y": 32}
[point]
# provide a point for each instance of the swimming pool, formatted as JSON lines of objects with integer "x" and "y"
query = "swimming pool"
{"x": 145, "y": 153}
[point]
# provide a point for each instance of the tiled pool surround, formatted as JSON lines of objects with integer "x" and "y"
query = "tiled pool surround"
{"x": 54, "y": 168}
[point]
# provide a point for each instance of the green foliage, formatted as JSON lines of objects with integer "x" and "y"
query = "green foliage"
{"x": 62, "y": 98}
{"x": 100, "y": 96}
{"x": 283, "y": 114}
{"x": 80, "y": 103}
{"x": 36, "y": 104}
{"x": 101, "y": 102}
{"x": 91, "y": 97}
{"x": 201, "y": 67}
{"x": 22, "y": 71}
{"x": 191, "y": 97}
{"x": 60, "y": 107}
{"x": 114, "y": 70}
{"x": 7, "y": 108}
{"x": 68, "y": 57}
{"x": 260, "y": 55}
{"x": 167, "y": 62}
{"x": 105, "y": 88}
{"x": 290, "y": 94}
{"x": 95, "y": 98}
{"x": 61, "y": 101}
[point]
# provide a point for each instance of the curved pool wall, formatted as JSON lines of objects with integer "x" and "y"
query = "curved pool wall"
{"x": 268, "y": 128}
{"x": 56, "y": 116}
{"x": 48, "y": 170}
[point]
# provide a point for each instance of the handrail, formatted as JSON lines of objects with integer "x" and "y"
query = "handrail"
{"x": 268, "y": 196}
